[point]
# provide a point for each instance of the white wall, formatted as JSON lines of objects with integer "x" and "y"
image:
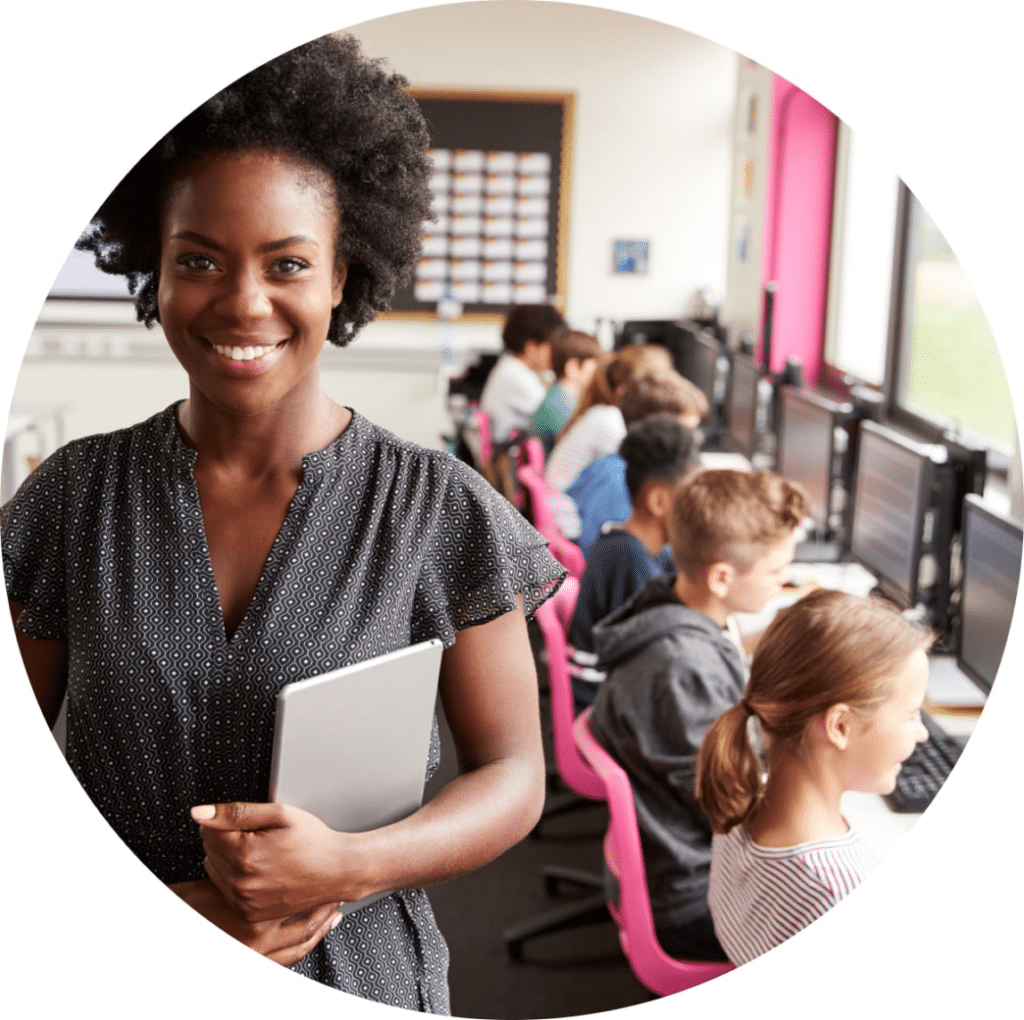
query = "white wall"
{"x": 652, "y": 151}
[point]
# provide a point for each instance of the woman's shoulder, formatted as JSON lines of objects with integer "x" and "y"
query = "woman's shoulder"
{"x": 158, "y": 430}
{"x": 398, "y": 461}
{"x": 85, "y": 458}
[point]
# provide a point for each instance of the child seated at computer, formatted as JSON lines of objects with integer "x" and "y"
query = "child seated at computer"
{"x": 835, "y": 692}
{"x": 514, "y": 387}
{"x": 657, "y": 453}
{"x": 673, "y": 667}
{"x": 573, "y": 360}
{"x": 599, "y": 492}
{"x": 597, "y": 426}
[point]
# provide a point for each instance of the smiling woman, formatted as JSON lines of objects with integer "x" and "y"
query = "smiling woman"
{"x": 170, "y": 578}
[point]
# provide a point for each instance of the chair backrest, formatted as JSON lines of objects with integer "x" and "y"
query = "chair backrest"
{"x": 533, "y": 454}
{"x": 571, "y": 556}
{"x": 553, "y": 617}
{"x": 661, "y": 973}
{"x": 483, "y": 425}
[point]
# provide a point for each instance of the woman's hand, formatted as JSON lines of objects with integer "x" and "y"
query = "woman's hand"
{"x": 273, "y": 860}
{"x": 283, "y": 940}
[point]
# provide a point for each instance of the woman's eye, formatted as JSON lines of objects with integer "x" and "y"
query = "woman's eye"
{"x": 290, "y": 265}
{"x": 195, "y": 261}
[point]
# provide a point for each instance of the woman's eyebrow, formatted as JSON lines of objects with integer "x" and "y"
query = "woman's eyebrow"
{"x": 209, "y": 242}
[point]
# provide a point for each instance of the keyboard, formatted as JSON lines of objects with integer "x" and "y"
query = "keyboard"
{"x": 925, "y": 770}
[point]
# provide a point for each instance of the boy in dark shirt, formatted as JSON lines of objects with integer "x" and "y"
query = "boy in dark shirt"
{"x": 657, "y": 452}
{"x": 673, "y": 669}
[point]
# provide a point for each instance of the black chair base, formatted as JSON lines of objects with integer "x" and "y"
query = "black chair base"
{"x": 590, "y": 910}
{"x": 561, "y": 804}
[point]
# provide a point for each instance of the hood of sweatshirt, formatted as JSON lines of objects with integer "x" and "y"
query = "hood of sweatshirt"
{"x": 650, "y": 613}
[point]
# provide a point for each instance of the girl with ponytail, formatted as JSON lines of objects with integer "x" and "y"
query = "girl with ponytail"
{"x": 833, "y": 704}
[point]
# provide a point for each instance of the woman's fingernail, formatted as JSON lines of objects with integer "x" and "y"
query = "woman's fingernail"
{"x": 203, "y": 813}
{"x": 335, "y": 922}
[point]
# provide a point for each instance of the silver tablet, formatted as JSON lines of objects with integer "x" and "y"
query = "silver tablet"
{"x": 351, "y": 746}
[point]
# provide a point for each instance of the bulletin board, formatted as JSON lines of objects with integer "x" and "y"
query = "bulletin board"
{"x": 502, "y": 169}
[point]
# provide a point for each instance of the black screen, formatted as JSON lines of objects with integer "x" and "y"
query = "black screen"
{"x": 805, "y": 449}
{"x": 889, "y": 495}
{"x": 742, "y": 408}
{"x": 992, "y": 555}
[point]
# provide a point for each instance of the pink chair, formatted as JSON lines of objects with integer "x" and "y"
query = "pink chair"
{"x": 533, "y": 455}
{"x": 661, "y": 973}
{"x": 567, "y": 553}
{"x": 553, "y": 618}
{"x": 483, "y": 425}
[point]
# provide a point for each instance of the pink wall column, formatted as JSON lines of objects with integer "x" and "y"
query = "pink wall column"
{"x": 798, "y": 224}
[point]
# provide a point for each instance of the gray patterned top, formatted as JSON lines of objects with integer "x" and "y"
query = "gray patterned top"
{"x": 385, "y": 544}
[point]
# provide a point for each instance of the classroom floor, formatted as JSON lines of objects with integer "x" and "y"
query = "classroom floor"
{"x": 562, "y": 974}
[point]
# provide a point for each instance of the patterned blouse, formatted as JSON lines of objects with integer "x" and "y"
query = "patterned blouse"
{"x": 385, "y": 544}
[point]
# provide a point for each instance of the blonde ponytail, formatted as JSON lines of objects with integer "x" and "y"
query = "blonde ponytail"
{"x": 729, "y": 784}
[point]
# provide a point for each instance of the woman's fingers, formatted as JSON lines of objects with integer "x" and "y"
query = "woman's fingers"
{"x": 240, "y": 815}
{"x": 314, "y": 931}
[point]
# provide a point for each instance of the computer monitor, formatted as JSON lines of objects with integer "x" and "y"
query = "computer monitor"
{"x": 891, "y": 493}
{"x": 991, "y": 549}
{"x": 702, "y": 365}
{"x": 806, "y": 449}
{"x": 663, "y": 332}
{"x": 741, "y": 403}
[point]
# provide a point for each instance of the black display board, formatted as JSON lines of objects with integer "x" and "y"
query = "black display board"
{"x": 501, "y": 197}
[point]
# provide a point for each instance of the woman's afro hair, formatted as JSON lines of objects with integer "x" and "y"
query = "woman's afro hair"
{"x": 327, "y": 105}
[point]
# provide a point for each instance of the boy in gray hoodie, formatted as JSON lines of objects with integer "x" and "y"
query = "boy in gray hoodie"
{"x": 674, "y": 666}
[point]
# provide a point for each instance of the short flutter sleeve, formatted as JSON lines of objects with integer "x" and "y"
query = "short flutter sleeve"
{"x": 482, "y": 553}
{"x": 33, "y": 546}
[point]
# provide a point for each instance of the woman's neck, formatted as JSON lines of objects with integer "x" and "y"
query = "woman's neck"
{"x": 266, "y": 440}
{"x": 801, "y": 804}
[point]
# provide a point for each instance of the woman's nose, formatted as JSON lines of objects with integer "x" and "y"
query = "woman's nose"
{"x": 245, "y": 296}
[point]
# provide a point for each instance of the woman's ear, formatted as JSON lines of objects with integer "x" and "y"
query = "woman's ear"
{"x": 338, "y": 284}
{"x": 838, "y": 722}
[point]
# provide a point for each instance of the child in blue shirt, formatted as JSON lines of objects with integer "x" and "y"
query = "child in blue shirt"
{"x": 656, "y": 454}
{"x": 600, "y": 491}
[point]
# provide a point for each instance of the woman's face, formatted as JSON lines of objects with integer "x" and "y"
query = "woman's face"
{"x": 248, "y": 277}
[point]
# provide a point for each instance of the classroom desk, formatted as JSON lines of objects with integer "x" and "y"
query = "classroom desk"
{"x": 952, "y": 700}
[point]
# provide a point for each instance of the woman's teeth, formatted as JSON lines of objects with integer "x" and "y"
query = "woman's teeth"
{"x": 242, "y": 353}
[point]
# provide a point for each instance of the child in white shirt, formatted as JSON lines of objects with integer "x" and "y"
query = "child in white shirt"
{"x": 835, "y": 692}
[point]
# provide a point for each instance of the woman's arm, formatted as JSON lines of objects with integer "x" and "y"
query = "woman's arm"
{"x": 46, "y": 663}
{"x": 272, "y": 860}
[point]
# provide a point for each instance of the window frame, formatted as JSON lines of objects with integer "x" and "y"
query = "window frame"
{"x": 930, "y": 428}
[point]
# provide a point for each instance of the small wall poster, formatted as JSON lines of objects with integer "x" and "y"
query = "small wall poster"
{"x": 631, "y": 256}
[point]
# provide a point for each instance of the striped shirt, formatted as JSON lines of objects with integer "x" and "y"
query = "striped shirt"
{"x": 760, "y": 896}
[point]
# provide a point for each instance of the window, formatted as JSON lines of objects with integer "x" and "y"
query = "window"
{"x": 944, "y": 368}
{"x": 860, "y": 265}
